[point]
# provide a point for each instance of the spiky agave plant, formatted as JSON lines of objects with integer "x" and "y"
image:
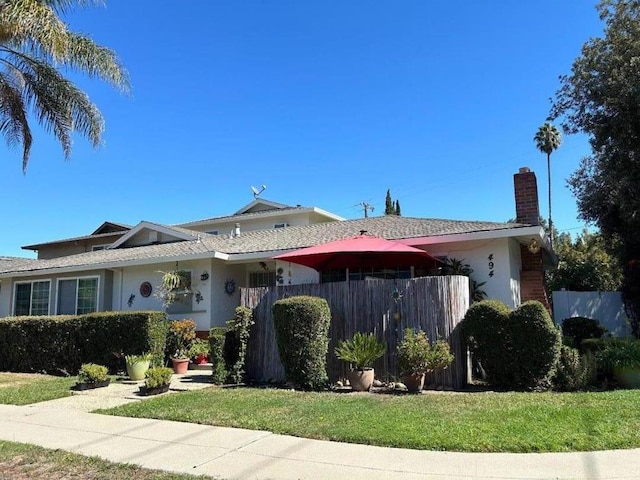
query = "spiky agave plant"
{"x": 362, "y": 350}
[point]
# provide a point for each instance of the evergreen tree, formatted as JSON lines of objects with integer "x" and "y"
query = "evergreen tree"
{"x": 388, "y": 205}
{"x": 397, "y": 209}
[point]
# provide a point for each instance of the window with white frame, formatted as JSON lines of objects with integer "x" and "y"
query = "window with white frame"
{"x": 32, "y": 298}
{"x": 77, "y": 296}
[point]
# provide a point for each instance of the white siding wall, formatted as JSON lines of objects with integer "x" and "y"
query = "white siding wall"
{"x": 5, "y": 297}
{"x": 499, "y": 286}
{"x": 606, "y": 307}
{"x": 248, "y": 225}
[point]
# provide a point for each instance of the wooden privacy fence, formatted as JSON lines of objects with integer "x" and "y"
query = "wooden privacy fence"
{"x": 384, "y": 307}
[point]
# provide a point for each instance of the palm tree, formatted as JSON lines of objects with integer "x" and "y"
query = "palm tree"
{"x": 548, "y": 139}
{"x": 35, "y": 47}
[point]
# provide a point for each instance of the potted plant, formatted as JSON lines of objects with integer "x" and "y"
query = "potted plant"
{"x": 174, "y": 285}
{"x": 622, "y": 358}
{"x": 92, "y": 375}
{"x": 157, "y": 381}
{"x": 413, "y": 357}
{"x": 137, "y": 365}
{"x": 361, "y": 351}
{"x": 199, "y": 351}
{"x": 182, "y": 334}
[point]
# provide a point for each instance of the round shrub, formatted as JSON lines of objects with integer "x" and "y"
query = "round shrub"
{"x": 485, "y": 327}
{"x": 572, "y": 372}
{"x": 302, "y": 334}
{"x": 577, "y": 329}
{"x": 535, "y": 346}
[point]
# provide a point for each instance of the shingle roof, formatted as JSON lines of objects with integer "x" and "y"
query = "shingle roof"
{"x": 243, "y": 216}
{"x": 75, "y": 239}
{"x": 390, "y": 227}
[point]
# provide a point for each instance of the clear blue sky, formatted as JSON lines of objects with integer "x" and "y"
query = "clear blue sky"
{"x": 327, "y": 103}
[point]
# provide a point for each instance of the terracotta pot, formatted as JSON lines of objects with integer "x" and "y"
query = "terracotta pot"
{"x": 413, "y": 382}
{"x": 180, "y": 365}
{"x": 361, "y": 380}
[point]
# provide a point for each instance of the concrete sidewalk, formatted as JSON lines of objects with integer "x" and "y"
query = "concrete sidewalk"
{"x": 247, "y": 454}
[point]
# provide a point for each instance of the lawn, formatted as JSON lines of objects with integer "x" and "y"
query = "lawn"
{"x": 473, "y": 422}
{"x": 28, "y": 461}
{"x": 26, "y": 388}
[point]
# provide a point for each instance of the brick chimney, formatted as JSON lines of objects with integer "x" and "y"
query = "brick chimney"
{"x": 527, "y": 211}
{"x": 526, "y": 191}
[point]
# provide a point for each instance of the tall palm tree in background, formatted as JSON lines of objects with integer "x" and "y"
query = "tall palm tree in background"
{"x": 548, "y": 139}
{"x": 35, "y": 47}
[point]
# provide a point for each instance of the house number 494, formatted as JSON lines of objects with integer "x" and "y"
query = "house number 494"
{"x": 491, "y": 265}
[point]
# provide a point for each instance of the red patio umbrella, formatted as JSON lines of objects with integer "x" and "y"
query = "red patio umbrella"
{"x": 359, "y": 251}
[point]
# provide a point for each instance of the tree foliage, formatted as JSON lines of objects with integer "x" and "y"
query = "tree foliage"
{"x": 583, "y": 265}
{"x": 391, "y": 207}
{"x": 601, "y": 98}
{"x": 36, "y": 47}
{"x": 547, "y": 140}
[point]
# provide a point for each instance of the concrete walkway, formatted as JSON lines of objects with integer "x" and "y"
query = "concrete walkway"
{"x": 248, "y": 454}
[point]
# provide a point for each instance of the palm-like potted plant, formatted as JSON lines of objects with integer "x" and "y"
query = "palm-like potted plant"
{"x": 137, "y": 366}
{"x": 361, "y": 351}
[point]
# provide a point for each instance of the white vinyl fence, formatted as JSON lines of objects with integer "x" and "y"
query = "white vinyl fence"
{"x": 606, "y": 307}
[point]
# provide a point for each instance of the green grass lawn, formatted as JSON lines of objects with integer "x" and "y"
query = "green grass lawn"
{"x": 28, "y": 461}
{"x": 473, "y": 422}
{"x": 23, "y": 389}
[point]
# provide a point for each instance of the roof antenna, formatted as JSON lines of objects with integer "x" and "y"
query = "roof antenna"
{"x": 257, "y": 192}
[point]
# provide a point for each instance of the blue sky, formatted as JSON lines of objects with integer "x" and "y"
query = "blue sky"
{"x": 327, "y": 103}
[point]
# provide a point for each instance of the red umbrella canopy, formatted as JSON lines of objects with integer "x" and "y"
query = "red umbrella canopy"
{"x": 358, "y": 251}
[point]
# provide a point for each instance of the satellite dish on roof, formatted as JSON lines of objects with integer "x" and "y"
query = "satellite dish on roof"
{"x": 257, "y": 192}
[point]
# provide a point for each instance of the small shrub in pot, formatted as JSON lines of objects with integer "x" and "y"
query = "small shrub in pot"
{"x": 158, "y": 377}
{"x": 92, "y": 373}
{"x": 360, "y": 351}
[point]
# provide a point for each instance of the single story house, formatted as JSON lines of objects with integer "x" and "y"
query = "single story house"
{"x": 119, "y": 267}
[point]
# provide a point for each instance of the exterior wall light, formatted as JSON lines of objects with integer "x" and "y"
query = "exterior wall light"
{"x": 204, "y": 277}
{"x": 533, "y": 246}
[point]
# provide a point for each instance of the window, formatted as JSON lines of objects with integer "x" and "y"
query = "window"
{"x": 262, "y": 279}
{"x": 32, "y": 298}
{"x": 183, "y": 302}
{"x": 281, "y": 225}
{"x": 77, "y": 296}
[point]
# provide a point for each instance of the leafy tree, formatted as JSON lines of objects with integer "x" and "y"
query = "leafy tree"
{"x": 583, "y": 265}
{"x": 548, "y": 140}
{"x": 388, "y": 205}
{"x": 397, "y": 208}
{"x": 601, "y": 99}
{"x": 35, "y": 48}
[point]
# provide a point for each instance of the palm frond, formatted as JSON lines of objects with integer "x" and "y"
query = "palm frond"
{"x": 13, "y": 117}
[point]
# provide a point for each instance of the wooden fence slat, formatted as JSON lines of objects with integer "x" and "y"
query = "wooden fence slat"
{"x": 433, "y": 304}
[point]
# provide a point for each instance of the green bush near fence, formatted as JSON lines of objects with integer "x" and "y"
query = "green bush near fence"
{"x": 302, "y": 334}
{"x": 216, "y": 354}
{"x": 61, "y": 344}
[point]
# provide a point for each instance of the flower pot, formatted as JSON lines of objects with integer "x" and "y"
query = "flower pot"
{"x": 146, "y": 391}
{"x": 137, "y": 370}
{"x": 361, "y": 380}
{"x": 180, "y": 365}
{"x": 200, "y": 359}
{"x": 413, "y": 382}
{"x": 91, "y": 385}
{"x": 627, "y": 377}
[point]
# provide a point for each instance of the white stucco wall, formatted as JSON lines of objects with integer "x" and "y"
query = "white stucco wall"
{"x": 5, "y": 297}
{"x": 516, "y": 266}
{"x": 294, "y": 274}
{"x": 127, "y": 281}
{"x": 250, "y": 224}
{"x": 484, "y": 257}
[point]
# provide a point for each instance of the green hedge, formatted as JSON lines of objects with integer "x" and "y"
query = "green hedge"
{"x": 61, "y": 344}
{"x": 216, "y": 354}
{"x": 302, "y": 335}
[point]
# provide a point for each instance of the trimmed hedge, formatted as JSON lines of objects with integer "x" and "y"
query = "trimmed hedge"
{"x": 517, "y": 349}
{"x": 485, "y": 327}
{"x": 61, "y": 344}
{"x": 302, "y": 334}
{"x": 577, "y": 329}
{"x": 216, "y": 354}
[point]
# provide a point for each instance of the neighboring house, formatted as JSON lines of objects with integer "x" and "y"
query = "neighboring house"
{"x": 119, "y": 267}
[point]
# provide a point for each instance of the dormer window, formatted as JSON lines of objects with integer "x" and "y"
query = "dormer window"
{"x": 281, "y": 225}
